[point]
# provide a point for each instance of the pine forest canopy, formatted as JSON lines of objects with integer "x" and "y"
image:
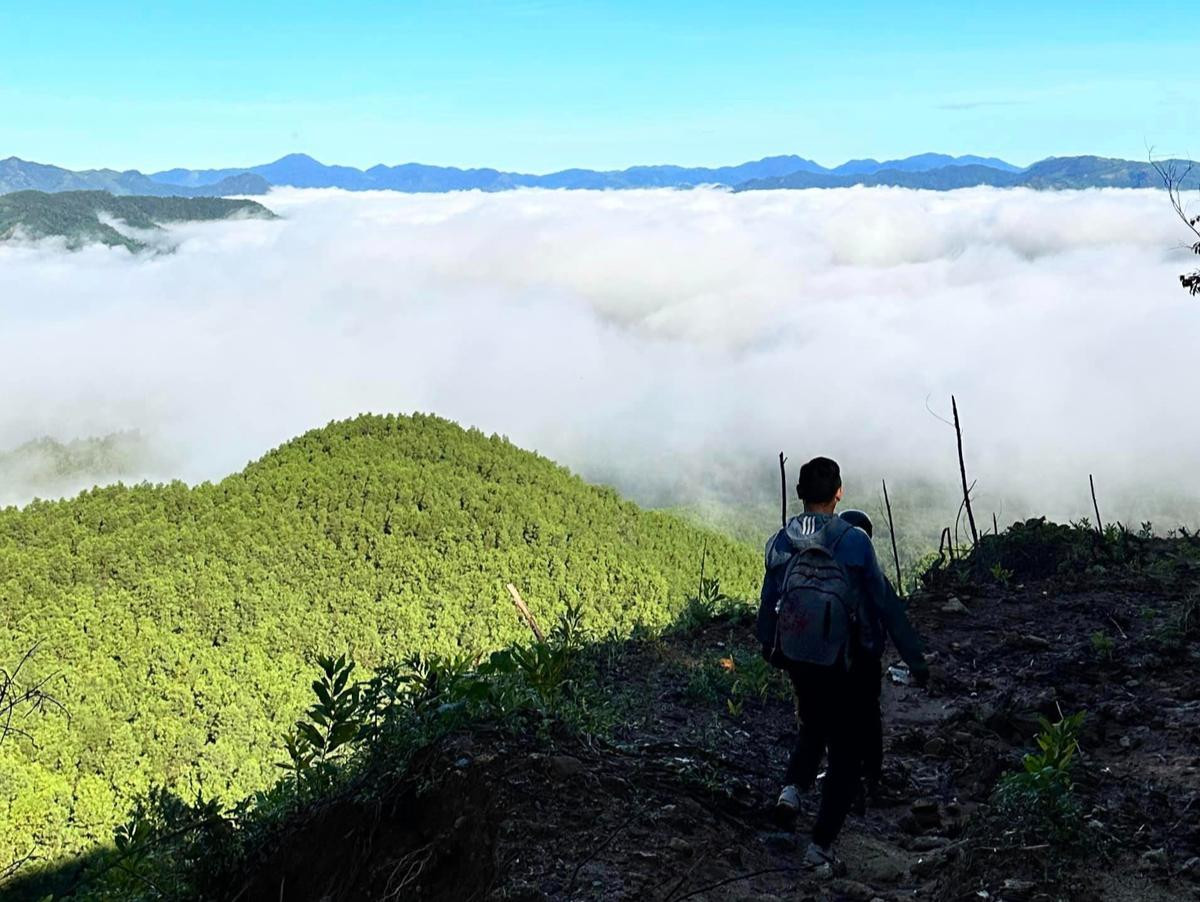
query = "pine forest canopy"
{"x": 83, "y": 217}
{"x": 182, "y": 620}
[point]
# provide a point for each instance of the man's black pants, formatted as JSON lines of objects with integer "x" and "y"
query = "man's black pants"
{"x": 839, "y": 713}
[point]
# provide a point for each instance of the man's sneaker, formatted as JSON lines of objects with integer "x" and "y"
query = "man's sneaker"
{"x": 789, "y": 800}
{"x": 819, "y": 857}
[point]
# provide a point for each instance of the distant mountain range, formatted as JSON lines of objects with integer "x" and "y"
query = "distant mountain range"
{"x": 303, "y": 171}
{"x": 21, "y": 175}
{"x": 89, "y": 217}
{"x": 931, "y": 171}
{"x": 1055, "y": 173}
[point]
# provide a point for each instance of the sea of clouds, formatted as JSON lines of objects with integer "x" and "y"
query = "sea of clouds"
{"x": 668, "y": 342}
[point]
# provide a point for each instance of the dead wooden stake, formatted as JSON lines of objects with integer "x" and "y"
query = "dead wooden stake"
{"x": 995, "y": 525}
{"x": 892, "y": 530}
{"x": 962, "y": 469}
{"x": 1095, "y": 506}
{"x": 524, "y": 612}
{"x": 782, "y": 490}
{"x": 945, "y": 543}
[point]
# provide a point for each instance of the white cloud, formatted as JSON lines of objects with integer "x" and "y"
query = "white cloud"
{"x": 653, "y": 338}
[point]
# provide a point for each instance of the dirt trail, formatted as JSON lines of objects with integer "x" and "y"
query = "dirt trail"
{"x": 677, "y": 804}
{"x": 680, "y": 808}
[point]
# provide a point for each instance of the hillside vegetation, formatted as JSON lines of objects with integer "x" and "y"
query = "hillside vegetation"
{"x": 49, "y": 468}
{"x": 80, "y": 216}
{"x": 182, "y": 621}
{"x": 1053, "y": 757}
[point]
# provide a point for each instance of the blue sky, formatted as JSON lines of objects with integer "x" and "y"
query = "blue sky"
{"x": 537, "y": 85}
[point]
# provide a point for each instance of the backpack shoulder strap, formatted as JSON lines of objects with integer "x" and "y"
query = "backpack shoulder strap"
{"x": 836, "y": 530}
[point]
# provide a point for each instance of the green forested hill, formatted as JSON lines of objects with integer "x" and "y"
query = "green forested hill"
{"x": 79, "y": 216}
{"x": 181, "y": 619}
{"x": 48, "y": 468}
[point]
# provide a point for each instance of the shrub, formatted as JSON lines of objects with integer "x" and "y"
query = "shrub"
{"x": 1038, "y": 800}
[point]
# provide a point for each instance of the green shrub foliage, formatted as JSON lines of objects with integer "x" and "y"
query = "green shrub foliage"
{"x": 183, "y": 622}
{"x": 1039, "y": 800}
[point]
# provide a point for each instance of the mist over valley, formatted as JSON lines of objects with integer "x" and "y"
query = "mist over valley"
{"x": 666, "y": 342}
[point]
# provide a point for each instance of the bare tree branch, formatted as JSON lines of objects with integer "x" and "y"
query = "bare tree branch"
{"x": 1174, "y": 175}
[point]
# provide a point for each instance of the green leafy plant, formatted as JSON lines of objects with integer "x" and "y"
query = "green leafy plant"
{"x": 1039, "y": 798}
{"x": 329, "y": 726}
{"x": 167, "y": 847}
{"x": 1001, "y": 574}
{"x": 704, "y": 607}
{"x": 1103, "y": 645}
{"x": 753, "y": 676}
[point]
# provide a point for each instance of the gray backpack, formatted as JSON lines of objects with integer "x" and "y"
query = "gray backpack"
{"x": 817, "y": 615}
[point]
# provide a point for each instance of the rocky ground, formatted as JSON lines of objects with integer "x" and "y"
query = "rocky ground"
{"x": 676, "y": 802}
{"x": 680, "y": 806}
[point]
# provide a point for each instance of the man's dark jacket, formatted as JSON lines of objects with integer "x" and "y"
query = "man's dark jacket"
{"x": 851, "y": 547}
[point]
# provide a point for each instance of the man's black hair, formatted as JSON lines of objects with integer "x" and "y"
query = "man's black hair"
{"x": 820, "y": 479}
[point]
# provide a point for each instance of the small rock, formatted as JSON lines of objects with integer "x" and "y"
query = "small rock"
{"x": 954, "y": 606}
{"x": 680, "y": 845}
{"x": 851, "y": 889}
{"x": 1155, "y": 858}
{"x": 1191, "y": 868}
{"x": 1125, "y": 742}
{"x": 935, "y": 746}
{"x": 882, "y": 869}
{"x": 563, "y": 767}
{"x": 928, "y": 843}
{"x": 1018, "y": 889}
{"x": 829, "y": 871}
{"x": 925, "y": 812}
{"x": 927, "y": 864}
{"x": 780, "y": 841}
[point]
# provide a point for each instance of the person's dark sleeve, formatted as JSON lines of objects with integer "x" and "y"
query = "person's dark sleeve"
{"x": 767, "y": 599}
{"x": 883, "y": 598}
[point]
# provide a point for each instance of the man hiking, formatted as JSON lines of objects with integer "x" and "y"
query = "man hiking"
{"x": 867, "y": 675}
{"x": 825, "y": 605}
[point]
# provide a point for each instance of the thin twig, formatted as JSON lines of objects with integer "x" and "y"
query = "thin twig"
{"x": 782, "y": 489}
{"x": 596, "y": 850}
{"x": 524, "y": 611}
{"x": 1118, "y": 626}
{"x": 1182, "y": 816}
{"x": 962, "y": 468}
{"x": 1095, "y": 506}
{"x": 892, "y": 530}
